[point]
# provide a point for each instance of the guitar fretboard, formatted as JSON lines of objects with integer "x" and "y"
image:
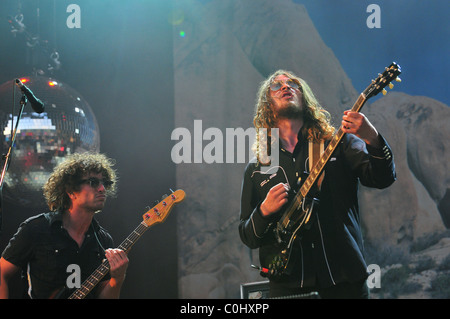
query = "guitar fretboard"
{"x": 319, "y": 166}
{"x": 155, "y": 215}
{"x": 103, "y": 269}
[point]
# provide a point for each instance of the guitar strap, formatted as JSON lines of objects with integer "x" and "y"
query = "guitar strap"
{"x": 315, "y": 150}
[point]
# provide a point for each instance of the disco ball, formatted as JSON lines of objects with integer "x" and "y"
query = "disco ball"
{"x": 43, "y": 140}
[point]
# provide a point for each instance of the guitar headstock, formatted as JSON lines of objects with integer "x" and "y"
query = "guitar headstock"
{"x": 390, "y": 73}
{"x": 159, "y": 212}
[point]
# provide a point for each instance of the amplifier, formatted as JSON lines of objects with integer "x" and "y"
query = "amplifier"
{"x": 261, "y": 290}
{"x": 255, "y": 290}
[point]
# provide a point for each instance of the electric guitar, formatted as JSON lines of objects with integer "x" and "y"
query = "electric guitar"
{"x": 299, "y": 211}
{"x": 155, "y": 215}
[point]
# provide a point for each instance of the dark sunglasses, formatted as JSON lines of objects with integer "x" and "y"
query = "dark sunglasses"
{"x": 95, "y": 182}
{"x": 276, "y": 85}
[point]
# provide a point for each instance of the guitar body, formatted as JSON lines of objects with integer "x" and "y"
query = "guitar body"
{"x": 287, "y": 230}
{"x": 63, "y": 293}
{"x": 276, "y": 259}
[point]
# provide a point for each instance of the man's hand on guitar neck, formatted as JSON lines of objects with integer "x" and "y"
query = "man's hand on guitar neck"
{"x": 118, "y": 262}
{"x": 357, "y": 123}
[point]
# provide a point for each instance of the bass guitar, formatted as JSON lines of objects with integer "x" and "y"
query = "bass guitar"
{"x": 155, "y": 215}
{"x": 298, "y": 214}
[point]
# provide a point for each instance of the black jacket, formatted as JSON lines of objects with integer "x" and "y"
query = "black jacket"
{"x": 332, "y": 250}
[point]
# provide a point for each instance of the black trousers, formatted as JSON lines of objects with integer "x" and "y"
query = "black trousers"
{"x": 356, "y": 290}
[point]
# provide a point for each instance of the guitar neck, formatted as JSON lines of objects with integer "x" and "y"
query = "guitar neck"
{"x": 373, "y": 89}
{"x": 153, "y": 216}
{"x": 103, "y": 269}
{"x": 319, "y": 166}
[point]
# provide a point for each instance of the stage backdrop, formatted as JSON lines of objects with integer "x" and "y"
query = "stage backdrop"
{"x": 223, "y": 49}
{"x": 170, "y": 82}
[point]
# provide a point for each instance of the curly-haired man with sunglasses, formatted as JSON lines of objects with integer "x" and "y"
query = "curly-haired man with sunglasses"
{"x": 46, "y": 244}
{"x": 327, "y": 255}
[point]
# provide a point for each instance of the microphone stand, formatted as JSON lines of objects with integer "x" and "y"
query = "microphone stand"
{"x": 7, "y": 157}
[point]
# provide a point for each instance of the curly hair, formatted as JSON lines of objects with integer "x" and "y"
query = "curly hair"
{"x": 67, "y": 176}
{"x": 317, "y": 121}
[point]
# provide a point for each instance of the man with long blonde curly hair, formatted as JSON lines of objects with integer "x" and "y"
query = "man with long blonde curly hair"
{"x": 328, "y": 256}
{"x": 46, "y": 244}
{"x": 316, "y": 120}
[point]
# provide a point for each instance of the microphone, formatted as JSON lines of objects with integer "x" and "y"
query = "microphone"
{"x": 36, "y": 104}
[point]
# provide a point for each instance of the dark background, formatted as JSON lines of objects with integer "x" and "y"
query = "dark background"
{"x": 120, "y": 61}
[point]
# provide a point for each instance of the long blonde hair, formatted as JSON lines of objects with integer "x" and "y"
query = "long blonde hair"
{"x": 316, "y": 120}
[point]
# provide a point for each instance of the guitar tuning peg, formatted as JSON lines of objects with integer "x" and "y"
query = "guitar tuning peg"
{"x": 164, "y": 196}
{"x": 384, "y": 92}
{"x": 391, "y": 85}
{"x": 398, "y": 79}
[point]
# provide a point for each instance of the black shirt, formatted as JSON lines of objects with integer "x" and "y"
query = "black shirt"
{"x": 332, "y": 251}
{"x": 45, "y": 249}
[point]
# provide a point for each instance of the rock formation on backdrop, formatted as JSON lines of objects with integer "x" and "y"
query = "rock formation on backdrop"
{"x": 228, "y": 48}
